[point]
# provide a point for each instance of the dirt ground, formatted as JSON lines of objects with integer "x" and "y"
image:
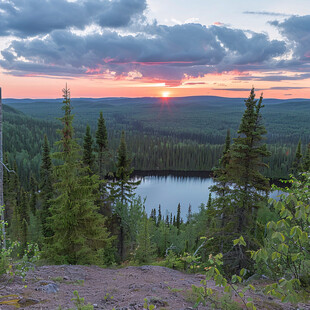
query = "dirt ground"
{"x": 49, "y": 287}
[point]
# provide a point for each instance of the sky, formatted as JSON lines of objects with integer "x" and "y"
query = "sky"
{"x": 154, "y": 48}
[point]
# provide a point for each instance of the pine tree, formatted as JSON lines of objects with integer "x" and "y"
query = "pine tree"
{"x": 24, "y": 235}
{"x": 178, "y": 222}
{"x": 189, "y": 214}
{"x": 23, "y": 207}
{"x": 306, "y": 162}
{"x": 88, "y": 154}
{"x": 46, "y": 188}
{"x": 33, "y": 196}
{"x": 123, "y": 187}
{"x": 209, "y": 204}
{"x": 241, "y": 166}
{"x": 297, "y": 163}
{"x": 220, "y": 173}
{"x": 102, "y": 156}
{"x": 78, "y": 229}
{"x": 145, "y": 251}
{"x": 159, "y": 215}
{"x": 102, "y": 144}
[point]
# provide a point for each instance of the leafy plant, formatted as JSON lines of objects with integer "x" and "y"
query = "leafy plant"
{"x": 206, "y": 295}
{"x": 108, "y": 297}
{"x": 286, "y": 254}
{"x": 79, "y": 303}
{"x": 147, "y": 305}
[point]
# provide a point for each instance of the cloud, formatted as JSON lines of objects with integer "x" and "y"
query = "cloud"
{"x": 266, "y": 13}
{"x": 234, "y": 89}
{"x": 271, "y": 78}
{"x": 24, "y": 18}
{"x": 261, "y": 89}
{"x": 194, "y": 83}
{"x": 296, "y": 30}
{"x": 156, "y": 51}
{"x": 286, "y": 88}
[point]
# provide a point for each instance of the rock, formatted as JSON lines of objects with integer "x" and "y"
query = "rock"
{"x": 47, "y": 287}
{"x": 156, "y": 301}
{"x": 25, "y": 302}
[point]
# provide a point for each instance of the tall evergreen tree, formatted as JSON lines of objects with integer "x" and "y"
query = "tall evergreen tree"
{"x": 78, "y": 229}
{"x": 243, "y": 173}
{"x": 189, "y": 214}
{"x": 33, "y": 195}
{"x": 102, "y": 144}
{"x": 145, "y": 251}
{"x": 297, "y": 163}
{"x": 159, "y": 218}
{"x": 46, "y": 188}
{"x": 88, "y": 151}
{"x": 220, "y": 172}
{"x": 306, "y": 162}
{"x": 178, "y": 223}
{"x": 123, "y": 187}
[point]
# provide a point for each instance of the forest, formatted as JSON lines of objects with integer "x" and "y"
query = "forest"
{"x": 182, "y": 134}
{"x": 71, "y": 200}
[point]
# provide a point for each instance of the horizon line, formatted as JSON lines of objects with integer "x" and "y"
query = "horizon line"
{"x": 151, "y": 97}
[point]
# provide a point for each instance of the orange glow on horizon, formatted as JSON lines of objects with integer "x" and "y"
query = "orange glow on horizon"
{"x": 224, "y": 85}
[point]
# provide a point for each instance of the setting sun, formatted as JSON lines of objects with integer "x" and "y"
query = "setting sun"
{"x": 165, "y": 94}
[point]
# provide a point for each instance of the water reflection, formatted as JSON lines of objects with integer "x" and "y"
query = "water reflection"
{"x": 168, "y": 191}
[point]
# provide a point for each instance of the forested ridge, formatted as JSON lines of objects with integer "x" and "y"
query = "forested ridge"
{"x": 184, "y": 134}
{"x": 76, "y": 203}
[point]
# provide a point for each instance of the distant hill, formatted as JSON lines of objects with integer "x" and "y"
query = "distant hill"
{"x": 200, "y": 115}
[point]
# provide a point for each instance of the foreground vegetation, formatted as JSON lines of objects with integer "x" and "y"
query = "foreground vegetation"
{"x": 81, "y": 212}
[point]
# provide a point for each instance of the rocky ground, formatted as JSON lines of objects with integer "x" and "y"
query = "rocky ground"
{"x": 49, "y": 287}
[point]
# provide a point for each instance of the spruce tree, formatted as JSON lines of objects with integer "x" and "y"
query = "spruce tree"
{"x": 306, "y": 162}
{"x": 78, "y": 229}
{"x": 189, "y": 214}
{"x": 297, "y": 163}
{"x": 46, "y": 188}
{"x": 102, "y": 144}
{"x": 243, "y": 172}
{"x": 159, "y": 215}
{"x": 88, "y": 152}
{"x": 145, "y": 250}
{"x": 220, "y": 172}
{"x": 178, "y": 223}
{"x": 123, "y": 187}
{"x": 33, "y": 195}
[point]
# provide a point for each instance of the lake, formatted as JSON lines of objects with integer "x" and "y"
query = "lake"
{"x": 170, "y": 190}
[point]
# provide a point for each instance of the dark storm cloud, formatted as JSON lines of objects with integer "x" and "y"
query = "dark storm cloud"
{"x": 25, "y": 18}
{"x": 159, "y": 52}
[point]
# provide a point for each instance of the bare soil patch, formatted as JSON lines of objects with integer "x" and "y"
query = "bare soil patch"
{"x": 164, "y": 287}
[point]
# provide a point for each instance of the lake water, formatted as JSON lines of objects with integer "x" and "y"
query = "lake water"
{"x": 169, "y": 191}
